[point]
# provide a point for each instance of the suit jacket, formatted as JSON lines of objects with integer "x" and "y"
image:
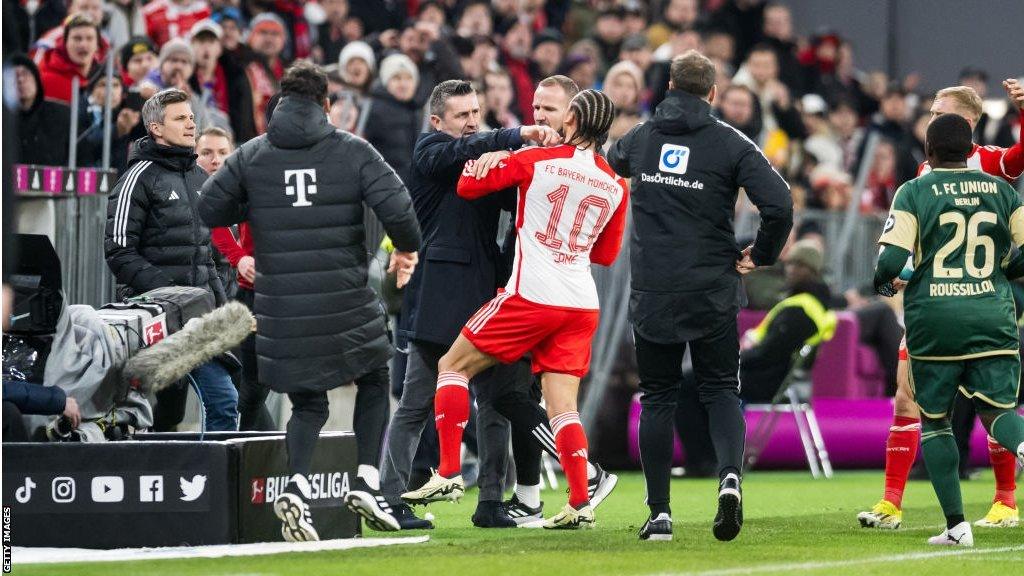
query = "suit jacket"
{"x": 459, "y": 262}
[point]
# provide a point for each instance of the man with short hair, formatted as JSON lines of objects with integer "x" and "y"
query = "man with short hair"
{"x": 687, "y": 168}
{"x": 905, "y": 433}
{"x": 302, "y": 187}
{"x": 154, "y": 238}
{"x": 458, "y": 275}
{"x": 74, "y": 56}
{"x": 961, "y": 320}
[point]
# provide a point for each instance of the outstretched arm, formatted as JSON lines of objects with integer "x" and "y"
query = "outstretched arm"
{"x": 496, "y": 172}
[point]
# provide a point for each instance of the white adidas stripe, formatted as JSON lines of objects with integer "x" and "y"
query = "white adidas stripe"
{"x": 492, "y": 309}
{"x": 124, "y": 202}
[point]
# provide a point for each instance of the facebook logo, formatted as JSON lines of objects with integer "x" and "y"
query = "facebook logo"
{"x": 151, "y": 488}
{"x": 674, "y": 159}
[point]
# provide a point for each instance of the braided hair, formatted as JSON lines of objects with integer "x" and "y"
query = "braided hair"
{"x": 594, "y": 113}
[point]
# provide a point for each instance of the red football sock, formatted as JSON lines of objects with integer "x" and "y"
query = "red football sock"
{"x": 900, "y": 453}
{"x": 451, "y": 414}
{"x": 1004, "y": 464}
{"x": 571, "y": 442}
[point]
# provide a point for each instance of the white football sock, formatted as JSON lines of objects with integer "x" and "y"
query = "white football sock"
{"x": 370, "y": 475}
{"x": 529, "y": 495}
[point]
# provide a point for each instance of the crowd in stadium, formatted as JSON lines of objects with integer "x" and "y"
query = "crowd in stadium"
{"x": 800, "y": 96}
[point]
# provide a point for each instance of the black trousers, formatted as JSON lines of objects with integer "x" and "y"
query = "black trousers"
{"x": 716, "y": 366}
{"x": 252, "y": 394}
{"x": 369, "y": 421}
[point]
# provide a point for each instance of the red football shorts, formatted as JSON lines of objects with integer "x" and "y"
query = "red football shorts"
{"x": 509, "y": 326}
{"x": 904, "y": 355}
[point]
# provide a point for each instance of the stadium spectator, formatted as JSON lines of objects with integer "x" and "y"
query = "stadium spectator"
{"x": 609, "y": 31}
{"x": 548, "y": 51}
{"x": 394, "y": 119}
{"x": 138, "y": 59}
{"x": 892, "y": 123}
{"x": 676, "y": 15}
{"x": 634, "y": 17}
{"x": 357, "y": 65}
{"x": 268, "y": 37}
{"x": 498, "y": 99}
{"x": 845, "y": 124}
{"x": 719, "y": 45}
{"x": 517, "y": 39}
{"x": 739, "y": 107}
{"x": 434, "y": 55}
{"x": 777, "y": 33}
{"x": 476, "y": 56}
{"x": 126, "y": 129}
{"x": 168, "y": 19}
{"x": 582, "y": 68}
{"x": 821, "y": 141}
{"x": 154, "y": 238}
{"x": 298, "y": 34}
{"x": 176, "y": 70}
{"x": 29, "y": 24}
{"x": 74, "y": 56}
{"x": 333, "y": 34}
{"x": 49, "y": 40}
{"x": 124, "y": 21}
{"x": 205, "y": 39}
{"x": 475, "y": 20}
{"x": 760, "y": 74}
{"x": 230, "y": 20}
{"x": 624, "y": 85}
{"x": 881, "y": 185}
{"x": 299, "y": 331}
{"x": 42, "y": 124}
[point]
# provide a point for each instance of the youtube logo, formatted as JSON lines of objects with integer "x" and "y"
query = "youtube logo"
{"x": 107, "y": 489}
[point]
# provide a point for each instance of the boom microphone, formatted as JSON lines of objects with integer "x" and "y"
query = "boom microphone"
{"x": 199, "y": 341}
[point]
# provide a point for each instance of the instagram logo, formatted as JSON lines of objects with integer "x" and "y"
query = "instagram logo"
{"x": 63, "y": 489}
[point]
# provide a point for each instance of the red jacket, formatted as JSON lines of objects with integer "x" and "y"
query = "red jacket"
{"x": 233, "y": 249}
{"x": 57, "y": 71}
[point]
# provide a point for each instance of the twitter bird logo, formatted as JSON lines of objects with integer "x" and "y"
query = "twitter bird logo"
{"x": 192, "y": 489}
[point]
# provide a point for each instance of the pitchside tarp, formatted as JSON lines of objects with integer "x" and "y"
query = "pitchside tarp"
{"x": 167, "y": 493}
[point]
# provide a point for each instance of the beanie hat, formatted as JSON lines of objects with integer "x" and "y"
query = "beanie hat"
{"x": 176, "y": 46}
{"x": 396, "y": 63}
{"x": 357, "y": 49}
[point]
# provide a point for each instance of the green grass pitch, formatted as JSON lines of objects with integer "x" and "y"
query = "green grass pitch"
{"x": 794, "y": 525}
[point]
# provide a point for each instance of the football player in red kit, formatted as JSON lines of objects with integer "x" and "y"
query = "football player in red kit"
{"x": 572, "y": 212}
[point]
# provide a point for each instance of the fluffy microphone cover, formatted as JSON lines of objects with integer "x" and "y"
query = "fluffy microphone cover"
{"x": 198, "y": 342}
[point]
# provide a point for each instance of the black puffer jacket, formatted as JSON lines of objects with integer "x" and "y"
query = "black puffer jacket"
{"x": 302, "y": 187}
{"x": 43, "y": 127}
{"x": 392, "y": 127}
{"x": 154, "y": 236}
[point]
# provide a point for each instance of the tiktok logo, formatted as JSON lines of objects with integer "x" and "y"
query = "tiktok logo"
{"x": 24, "y": 493}
{"x": 301, "y": 188}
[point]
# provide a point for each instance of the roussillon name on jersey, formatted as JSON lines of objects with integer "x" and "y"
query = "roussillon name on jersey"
{"x": 961, "y": 288}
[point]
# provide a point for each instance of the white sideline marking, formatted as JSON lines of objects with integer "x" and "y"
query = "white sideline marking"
{"x": 22, "y": 555}
{"x": 805, "y": 566}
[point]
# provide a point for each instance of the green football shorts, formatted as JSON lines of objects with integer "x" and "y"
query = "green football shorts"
{"x": 993, "y": 380}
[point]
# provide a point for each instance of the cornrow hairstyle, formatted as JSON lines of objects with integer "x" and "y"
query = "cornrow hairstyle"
{"x": 594, "y": 113}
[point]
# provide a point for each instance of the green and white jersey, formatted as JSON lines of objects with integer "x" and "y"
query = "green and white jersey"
{"x": 961, "y": 226}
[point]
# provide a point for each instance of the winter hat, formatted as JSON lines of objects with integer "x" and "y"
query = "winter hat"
{"x": 267, "y": 20}
{"x": 136, "y": 45}
{"x": 392, "y": 65}
{"x": 357, "y": 49}
{"x": 176, "y": 46}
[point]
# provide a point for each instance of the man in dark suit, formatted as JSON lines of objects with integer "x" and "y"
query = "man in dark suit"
{"x": 457, "y": 274}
